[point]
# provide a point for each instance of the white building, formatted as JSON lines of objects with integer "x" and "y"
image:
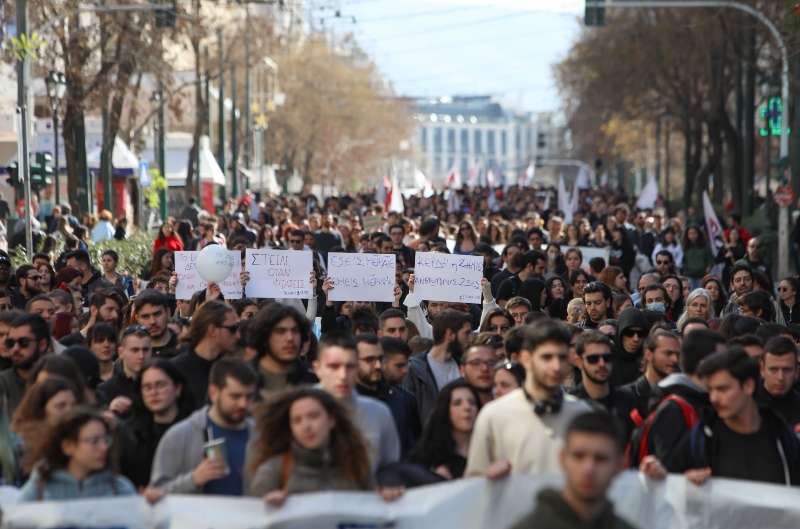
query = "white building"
{"x": 463, "y": 131}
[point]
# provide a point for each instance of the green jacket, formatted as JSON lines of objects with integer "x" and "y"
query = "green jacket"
{"x": 552, "y": 512}
{"x": 696, "y": 261}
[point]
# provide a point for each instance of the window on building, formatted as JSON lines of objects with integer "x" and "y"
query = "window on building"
{"x": 437, "y": 139}
{"x": 464, "y": 141}
{"x": 541, "y": 141}
{"x": 450, "y": 162}
{"x": 503, "y": 146}
{"x": 437, "y": 163}
{"x": 464, "y": 167}
{"x": 518, "y": 140}
{"x": 478, "y": 142}
{"x": 490, "y": 142}
{"x": 424, "y": 139}
{"x": 451, "y": 140}
{"x": 528, "y": 140}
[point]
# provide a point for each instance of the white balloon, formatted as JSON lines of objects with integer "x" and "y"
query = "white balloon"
{"x": 214, "y": 263}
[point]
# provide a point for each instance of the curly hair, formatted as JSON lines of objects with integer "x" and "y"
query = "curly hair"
{"x": 275, "y": 434}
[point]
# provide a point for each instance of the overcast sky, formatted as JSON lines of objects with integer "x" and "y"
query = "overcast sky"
{"x": 464, "y": 47}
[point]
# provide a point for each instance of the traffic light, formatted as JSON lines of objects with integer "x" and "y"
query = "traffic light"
{"x": 13, "y": 175}
{"x": 41, "y": 171}
{"x": 165, "y": 16}
{"x": 595, "y": 14}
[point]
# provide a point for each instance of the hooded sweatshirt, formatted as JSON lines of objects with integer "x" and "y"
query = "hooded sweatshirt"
{"x": 626, "y": 365}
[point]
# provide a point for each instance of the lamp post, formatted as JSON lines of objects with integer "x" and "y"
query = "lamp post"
{"x": 667, "y": 118}
{"x": 56, "y": 88}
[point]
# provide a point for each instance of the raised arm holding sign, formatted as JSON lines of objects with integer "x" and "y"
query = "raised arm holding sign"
{"x": 362, "y": 277}
{"x": 447, "y": 277}
{"x": 278, "y": 274}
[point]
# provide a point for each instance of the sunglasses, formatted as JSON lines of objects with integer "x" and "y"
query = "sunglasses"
{"x": 34, "y": 278}
{"x": 23, "y": 342}
{"x": 295, "y": 241}
{"x": 663, "y": 262}
{"x": 784, "y": 289}
{"x": 629, "y": 333}
{"x": 134, "y": 329}
{"x": 503, "y": 328}
{"x": 594, "y": 359}
{"x": 233, "y": 329}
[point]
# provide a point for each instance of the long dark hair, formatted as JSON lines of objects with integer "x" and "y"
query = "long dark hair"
{"x": 48, "y": 454}
{"x": 347, "y": 445}
{"x": 437, "y": 444}
{"x": 493, "y": 313}
{"x": 155, "y": 265}
{"x": 722, "y": 299}
{"x": 161, "y": 231}
{"x": 531, "y": 290}
{"x": 186, "y": 400}
{"x": 701, "y": 238}
{"x": 549, "y": 286}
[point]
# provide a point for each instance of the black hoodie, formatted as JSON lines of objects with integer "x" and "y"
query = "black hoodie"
{"x": 787, "y": 406}
{"x": 627, "y": 365}
{"x": 669, "y": 427}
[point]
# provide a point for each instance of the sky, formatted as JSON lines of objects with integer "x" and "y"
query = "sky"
{"x": 462, "y": 47}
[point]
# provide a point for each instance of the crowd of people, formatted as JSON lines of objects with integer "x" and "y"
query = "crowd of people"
{"x": 663, "y": 355}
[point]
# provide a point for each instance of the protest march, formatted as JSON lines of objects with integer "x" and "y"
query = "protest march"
{"x": 464, "y": 362}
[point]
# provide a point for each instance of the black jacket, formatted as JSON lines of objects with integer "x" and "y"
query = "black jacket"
{"x": 169, "y": 349}
{"x": 119, "y": 385}
{"x": 641, "y": 392}
{"x": 553, "y": 512}
{"x": 330, "y": 321}
{"x": 627, "y": 365}
{"x": 700, "y": 448}
{"x": 196, "y": 371}
{"x": 18, "y": 299}
{"x": 669, "y": 427}
{"x": 419, "y": 380}
{"x": 404, "y": 411}
{"x": 618, "y": 403}
{"x": 787, "y": 407}
{"x": 95, "y": 282}
{"x": 138, "y": 438}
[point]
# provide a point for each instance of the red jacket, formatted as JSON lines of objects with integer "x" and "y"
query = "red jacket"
{"x": 173, "y": 244}
{"x": 743, "y": 234}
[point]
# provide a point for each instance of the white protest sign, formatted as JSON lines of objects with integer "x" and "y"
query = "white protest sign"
{"x": 362, "y": 276}
{"x": 371, "y": 224}
{"x": 189, "y": 280}
{"x": 590, "y": 252}
{"x": 447, "y": 277}
{"x": 279, "y": 274}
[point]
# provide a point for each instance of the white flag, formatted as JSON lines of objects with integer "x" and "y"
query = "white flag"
{"x": 713, "y": 227}
{"x": 649, "y": 195}
{"x": 564, "y": 204}
{"x": 576, "y": 193}
{"x": 396, "y": 200}
{"x": 453, "y": 202}
{"x": 547, "y": 201}
{"x": 530, "y": 172}
{"x": 604, "y": 180}
{"x": 380, "y": 191}
{"x": 420, "y": 180}
{"x": 582, "y": 182}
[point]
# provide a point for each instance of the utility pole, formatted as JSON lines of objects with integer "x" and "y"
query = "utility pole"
{"x": 221, "y": 106}
{"x": 748, "y": 136}
{"x": 234, "y": 136}
{"x": 23, "y": 81}
{"x": 248, "y": 115}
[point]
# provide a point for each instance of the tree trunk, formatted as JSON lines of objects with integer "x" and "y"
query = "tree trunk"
{"x": 200, "y": 111}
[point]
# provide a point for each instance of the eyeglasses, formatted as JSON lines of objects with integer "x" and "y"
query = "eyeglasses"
{"x": 663, "y": 262}
{"x": 488, "y": 364}
{"x": 594, "y": 359}
{"x": 23, "y": 342}
{"x": 372, "y": 359}
{"x": 629, "y": 333}
{"x": 134, "y": 329}
{"x": 233, "y": 329}
{"x": 671, "y": 287}
{"x": 97, "y": 439}
{"x": 158, "y": 387}
{"x": 503, "y": 328}
{"x": 34, "y": 278}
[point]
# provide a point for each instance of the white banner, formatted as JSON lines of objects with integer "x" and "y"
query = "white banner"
{"x": 362, "y": 276}
{"x": 189, "y": 280}
{"x": 465, "y": 504}
{"x": 371, "y": 224}
{"x": 447, "y": 277}
{"x": 589, "y": 253}
{"x": 279, "y": 274}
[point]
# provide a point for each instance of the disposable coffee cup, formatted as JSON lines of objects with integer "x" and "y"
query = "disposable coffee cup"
{"x": 216, "y": 448}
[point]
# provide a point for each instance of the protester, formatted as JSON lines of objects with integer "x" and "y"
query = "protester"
{"x": 582, "y": 502}
{"x": 205, "y": 453}
{"x": 477, "y": 368}
{"x": 28, "y": 339}
{"x": 134, "y": 351}
{"x": 508, "y": 376}
{"x": 76, "y": 460}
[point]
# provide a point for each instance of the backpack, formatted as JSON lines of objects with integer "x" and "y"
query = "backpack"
{"x": 639, "y": 446}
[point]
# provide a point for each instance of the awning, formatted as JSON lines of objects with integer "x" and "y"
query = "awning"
{"x": 124, "y": 162}
{"x": 177, "y": 163}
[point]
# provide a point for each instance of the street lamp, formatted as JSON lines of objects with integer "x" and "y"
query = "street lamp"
{"x": 56, "y": 88}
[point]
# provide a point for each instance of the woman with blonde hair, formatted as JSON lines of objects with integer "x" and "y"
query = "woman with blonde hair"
{"x": 556, "y": 228}
{"x": 698, "y": 305}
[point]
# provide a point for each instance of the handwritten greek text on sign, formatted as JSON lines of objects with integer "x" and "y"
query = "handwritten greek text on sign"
{"x": 189, "y": 280}
{"x": 445, "y": 277}
{"x": 278, "y": 274}
{"x": 362, "y": 277}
